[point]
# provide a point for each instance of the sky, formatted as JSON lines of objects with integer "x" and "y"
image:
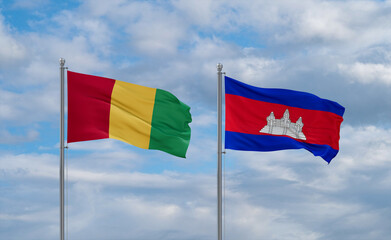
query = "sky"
{"x": 336, "y": 49}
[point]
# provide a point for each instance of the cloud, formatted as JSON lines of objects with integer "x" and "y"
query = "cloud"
{"x": 268, "y": 195}
{"x": 25, "y": 4}
{"x": 79, "y": 25}
{"x": 361, "y": 149}
{"x": 368, "y": 73}
{"x": 336, "y": 49}
{"x": 156, "y": 33}
{"x": 294, "y": 184}
{"x": 188, "y": 57}
{"x": 183, "y": 199}
{"x": 256, "y": 222}
{"x": 100, "y": 169}
{"x": 8, "y": 138}
{"x": 367, "y": 145}
{"x": 29, "y": 166}
{"x": 14, "y": 107}
{"x": 316, "y": 21}
{"x": 205, "y": 119}
{"x": 11, "y": 49}
{"x": 150, "y": 29}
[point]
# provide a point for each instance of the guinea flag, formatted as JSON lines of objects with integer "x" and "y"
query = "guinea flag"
{"x": 261, "y": 119}
{"x": 148, "y": 118}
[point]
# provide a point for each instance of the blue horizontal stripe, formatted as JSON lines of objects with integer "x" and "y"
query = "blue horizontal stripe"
{"x": 282, "y": 96}
{"x": 265, "y": 143}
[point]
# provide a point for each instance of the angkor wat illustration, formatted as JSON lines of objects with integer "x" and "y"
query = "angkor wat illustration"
{"x": 284, "y": 126}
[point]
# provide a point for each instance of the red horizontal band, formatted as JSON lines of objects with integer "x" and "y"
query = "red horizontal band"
{"x": 246, "y": 115}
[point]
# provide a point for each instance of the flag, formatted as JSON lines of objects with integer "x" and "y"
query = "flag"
{"x": 148, "y": 118}
{"x": 261, "y": 119}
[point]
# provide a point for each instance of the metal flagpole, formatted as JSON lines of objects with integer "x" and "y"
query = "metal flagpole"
{"x": 62, "y": 68}
{"x": 219, "y": 151}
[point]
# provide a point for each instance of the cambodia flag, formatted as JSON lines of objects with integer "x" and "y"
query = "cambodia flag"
{"x": 261, "y": 119}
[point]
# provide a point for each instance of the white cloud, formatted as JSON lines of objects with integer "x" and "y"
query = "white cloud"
{"x": 323, "y": 21}
{"x": 204, "y": 14}
{"x": 9, "y": 138}
{"x": 26, "y": 4}
{"x": 170, "y": 216}
{"x": 42, "y": 216}
{"x": 157, "y": 32}
{"x": 156, "y": 37}
{"x": 14, "y": 107}
{"x": 257, "y": 222}
{"x": 87, "y": 169}
{"x": 361, "y": 149}
{"x": 253, "y": 70}
{"x": 80, "y": 25}
{"x": 99, "y": 145}
{"x": 118, "y": 191}
{"x": 135, "y": 180}
{"x": 367, "y": 73}
{"x": 76, "y": 51}
{"x": 34, "y": 166}
{"x": 367, "y": 147}
{"x": 210, "y": 15}
{"x": 349, "y": 23}
{"x": 11, "y": 49}
{"x": 152, "y": 29}
{"x": 268, "y": 195}
{"x": 206, "y": 119}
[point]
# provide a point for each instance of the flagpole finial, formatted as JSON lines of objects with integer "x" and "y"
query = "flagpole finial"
{"x": 62, "y": 61}
{"x": 219, "y": 67}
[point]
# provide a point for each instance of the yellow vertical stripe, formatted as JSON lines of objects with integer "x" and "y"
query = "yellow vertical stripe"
{"x": 131, "y": 113}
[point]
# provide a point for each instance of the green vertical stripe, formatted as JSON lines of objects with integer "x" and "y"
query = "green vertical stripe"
{"x": 170, "y": 130}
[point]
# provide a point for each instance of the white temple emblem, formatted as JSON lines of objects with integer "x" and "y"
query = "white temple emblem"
{"x": 284, "y": 126}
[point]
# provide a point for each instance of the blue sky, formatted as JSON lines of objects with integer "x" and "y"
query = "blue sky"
{"x": 339, "y": 50}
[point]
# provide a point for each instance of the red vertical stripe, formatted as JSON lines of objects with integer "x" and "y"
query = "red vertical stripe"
{"x": 89, "y": 100}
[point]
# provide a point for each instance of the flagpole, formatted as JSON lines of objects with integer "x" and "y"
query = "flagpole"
{"x": 219, "y": 151}
{"x": 62, "y": 68}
